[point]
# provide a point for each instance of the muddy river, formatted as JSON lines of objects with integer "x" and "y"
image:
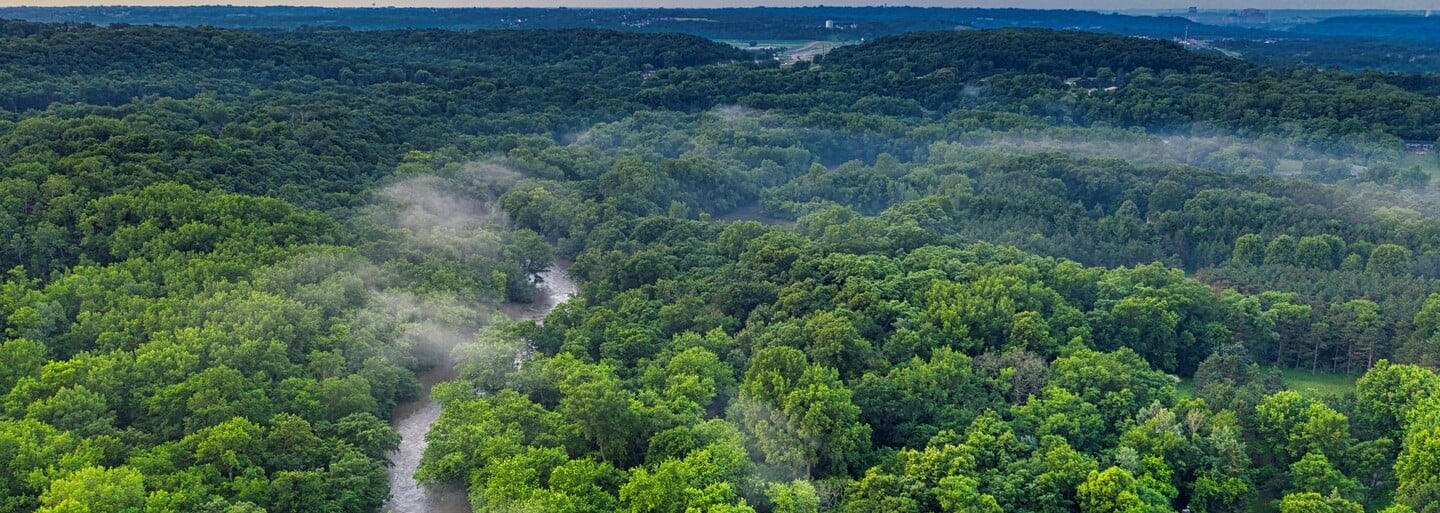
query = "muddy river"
{"x": 413, "y": 418}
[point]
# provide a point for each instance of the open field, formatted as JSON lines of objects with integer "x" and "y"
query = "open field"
{"x": 789, "y": 50}
{"x": 1289, "y": 167}
{"x": 1185, "y": 388}
{"x": 1429, "y": 163}
{"x": 781, "y": 44}
{"x": 1319, "y": 384}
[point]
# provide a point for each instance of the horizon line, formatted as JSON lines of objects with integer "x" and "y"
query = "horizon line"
{"x": 697, "y": 8}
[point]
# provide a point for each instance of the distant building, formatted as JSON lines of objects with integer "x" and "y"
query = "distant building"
{"x": 829, "y": 24}
{"x": 1420, "y": 147}
{"x": 1254, "y": 16}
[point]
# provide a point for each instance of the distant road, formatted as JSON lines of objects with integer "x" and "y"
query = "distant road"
{"x": 809, "y": 51}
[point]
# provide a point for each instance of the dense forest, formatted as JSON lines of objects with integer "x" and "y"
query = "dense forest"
{"x": 1355, "y": 40}
{"x": 979, "y": 271}
{"x": 764, "y": 23}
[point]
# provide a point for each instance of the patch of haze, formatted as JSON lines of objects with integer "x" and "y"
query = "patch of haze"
{"x": 771, "y": 426}
{"x": 577, "y": 138}
{"x": 490, "y": 175}
{"x": 1226, "y": 153}
{"x": 453, "y": 215}
{"x": 431, "y": 323}
{"x": 426, "y": 205}
{"x": 733, "y": 112}
{"x": 413, "y": 419}
{"x": 1403, "y": 206}
{"x": 605, "y": 136}
{"x": 1233, "y": 154}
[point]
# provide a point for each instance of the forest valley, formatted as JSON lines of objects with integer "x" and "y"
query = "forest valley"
{"x": 981, "y": 271}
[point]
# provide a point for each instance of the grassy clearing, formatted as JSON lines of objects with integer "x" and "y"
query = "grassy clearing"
{"x": 1428, "y": 163}
{"x": 1319, "y": 384}
{"x": 1185, "y": 388}
{"x": 752, "y": 212}
{"x": 1289, "y": 167}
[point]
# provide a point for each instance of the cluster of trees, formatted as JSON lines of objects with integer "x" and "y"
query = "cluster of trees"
{"x": 1160, "y": 85}
{"x": 213, "y": 351}
{"x": 1099, "y": 211}
{"x": 212, "y": 302}
{"x": 1357, "y": 54}
{"x": 208, "y": 354}
{"x": 736, "y": 24}
{"x": 743, "y": 367}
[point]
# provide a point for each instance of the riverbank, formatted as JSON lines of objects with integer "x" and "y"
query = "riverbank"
{"x": 412, "y": 419}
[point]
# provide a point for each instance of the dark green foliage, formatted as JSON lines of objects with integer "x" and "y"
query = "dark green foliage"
{"x": 843, "y": 285}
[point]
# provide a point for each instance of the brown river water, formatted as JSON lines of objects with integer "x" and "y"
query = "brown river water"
{"x": 414, "y": 418}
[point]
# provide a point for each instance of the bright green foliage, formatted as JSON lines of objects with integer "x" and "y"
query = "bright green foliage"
{"x": 1281, "y": 251}
{"x": 1218, "y": 493}
{"x": 1064, "y": 470}
{"x": 1111, "y": 491}
{"x": 34, "y": 454}
{"x": 801, "y": 415}
{"x": 1314, "y": 502}
{"x": 1387, "y": 393}
{"x": 1320, "y": 251}
{"x": 959, "y": 494}
{"x": 1058, "y": 412}
{"x": 1118, "y": 383}
{"x": 593, "y": 398}
{"x": 1295, "y": 425}
{"x": 894, "y": 271}
{"x": 96, "y": 489}
{"x": 982, "y": 314}
{"x": 704, "y": 478}
{"x": 1313, "y": 473}
{"x": 793, "y": 497}
{"x": 475, "y": 431}
{"x": 880, "y": 491}
{"x": 1417, "y": 468}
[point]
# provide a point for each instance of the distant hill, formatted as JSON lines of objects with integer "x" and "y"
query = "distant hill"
{"x": 807, "y": 23}
{"x": 582, "y": 47}
{"x": 1058, "y": 53}
{"x": 1359, "y": 40}
{"x": 1407, "y": 28}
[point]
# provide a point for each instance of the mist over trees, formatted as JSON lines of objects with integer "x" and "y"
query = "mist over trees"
{"x": 1010, "y": 270}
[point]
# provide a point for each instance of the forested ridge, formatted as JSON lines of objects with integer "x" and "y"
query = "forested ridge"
{"x": 1008, "y": 270}
{"x": 1396, "y": 43}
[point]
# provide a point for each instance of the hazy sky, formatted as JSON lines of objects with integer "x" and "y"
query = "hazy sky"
{"x": 1043, "y": 4}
